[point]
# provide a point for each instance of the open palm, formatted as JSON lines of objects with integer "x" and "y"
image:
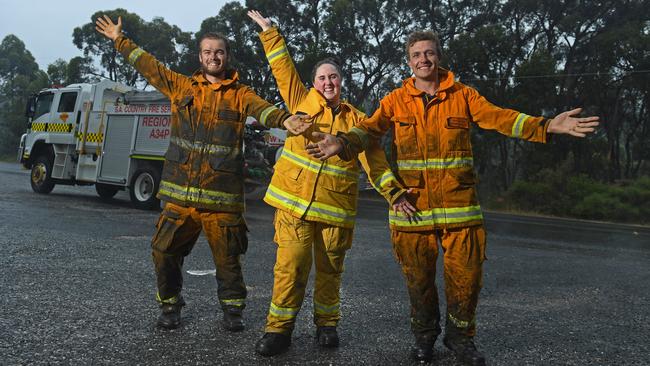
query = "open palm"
{"x": 110, "y": 30}
{"x": 264, "y": 23}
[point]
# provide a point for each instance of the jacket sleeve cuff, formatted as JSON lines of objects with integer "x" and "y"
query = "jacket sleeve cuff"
{"x": 120, "y": 42}
{"x": 269, "y": 33}
{"x": 395, "y": 194}
{"x": 124, "y": 46}
{"x": 546, "y": 136}
{"x": 345, "y": 154}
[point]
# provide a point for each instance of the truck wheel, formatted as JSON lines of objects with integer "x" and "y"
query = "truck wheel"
{"x": 144, "y": 187}
{"x": 41, "y": 175}
{"x": 106, "y": 191}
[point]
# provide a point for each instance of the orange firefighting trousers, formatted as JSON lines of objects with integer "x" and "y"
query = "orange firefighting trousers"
{"x": 463, "y": 256}
{"x": 297, "y": 241}
{"x": 178, "y": 229}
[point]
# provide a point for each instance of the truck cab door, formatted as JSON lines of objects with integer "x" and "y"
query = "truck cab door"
{"x": 65, "y": 116}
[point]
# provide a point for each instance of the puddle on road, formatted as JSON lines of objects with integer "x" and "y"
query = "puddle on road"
{"x": 128, "y": 237}
{"x": 201, "y": 272}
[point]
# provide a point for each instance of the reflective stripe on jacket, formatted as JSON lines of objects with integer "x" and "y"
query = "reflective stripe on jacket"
{"x": 204, "y": 161}
{"x": 432, "y": 149}
{"x": 306, "y": 187}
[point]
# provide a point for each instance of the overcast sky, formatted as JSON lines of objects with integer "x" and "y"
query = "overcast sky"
{"x": 46, "y": 25}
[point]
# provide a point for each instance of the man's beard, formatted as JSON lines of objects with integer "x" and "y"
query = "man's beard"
{"x": 221, "y": 72}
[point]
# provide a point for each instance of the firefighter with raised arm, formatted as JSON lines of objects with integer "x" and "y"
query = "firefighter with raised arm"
{"x": 316, "y": 201}
{"x": 431, "y": 115}
{"x": 202, "y": 182}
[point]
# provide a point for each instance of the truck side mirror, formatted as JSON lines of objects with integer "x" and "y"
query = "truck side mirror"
{"x": 30, "y": 109}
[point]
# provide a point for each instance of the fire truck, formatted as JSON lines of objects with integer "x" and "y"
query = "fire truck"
{"x": 104, "y": 134}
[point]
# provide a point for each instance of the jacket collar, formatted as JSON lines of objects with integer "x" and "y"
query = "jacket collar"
{"x": 315, "y": 103}
{"x": 445, "y": 77}
{"x": 231, "y": 77}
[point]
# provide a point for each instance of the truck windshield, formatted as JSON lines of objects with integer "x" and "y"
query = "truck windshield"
{"x": 43, "y": 104}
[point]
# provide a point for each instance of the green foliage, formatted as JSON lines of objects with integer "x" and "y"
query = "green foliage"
{"x": 19, "y": 78}
{"x": 556, "y": 193}
{"x": 78, "y": 70}
{"x": 157, "y": 37}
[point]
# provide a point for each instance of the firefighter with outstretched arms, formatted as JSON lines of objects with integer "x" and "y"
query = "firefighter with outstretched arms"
{"x": 431, "y": 115}
{"x": 316, "y": 201}
{"x": 202, "y": 179}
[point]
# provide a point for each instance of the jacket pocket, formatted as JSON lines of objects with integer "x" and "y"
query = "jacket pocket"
{"x": 288, "y": 170}
{"x": 182, "y": 106}
{"x": 225, "y": 153}
{"x": 339, "y": 192}
{"x": 227, "y": 133}
{"x": 457, "y": 131}
{"x": 412, "y": 178}
{"x": 168, "y": 224}
{"x": 234, "y": 228}
{"x": 405, "y": 135}
{"x": 463, "y": 176}
{"x": 232, "y": 162}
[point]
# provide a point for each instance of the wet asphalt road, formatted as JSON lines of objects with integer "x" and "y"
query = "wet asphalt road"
{"x": 78, "y": 288}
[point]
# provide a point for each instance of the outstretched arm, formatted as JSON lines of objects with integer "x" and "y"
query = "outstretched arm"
{"x": 291, "y": 88}
{"x": 347, "y": 146}
{"x": 522, "y": 126}
{"x": 565, "y": 123}
{"x": 157, "y": 74}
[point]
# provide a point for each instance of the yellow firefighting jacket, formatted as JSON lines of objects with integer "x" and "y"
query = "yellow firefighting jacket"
{"x": 308, "y": 188}
{"x": 432, "y": 150}
{"x": 204, "y": 162}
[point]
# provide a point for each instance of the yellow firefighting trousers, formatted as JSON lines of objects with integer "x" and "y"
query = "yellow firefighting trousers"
{"x": 298, "y": 240}
{"x": 463, "y": 256}
{"x": 178, "y": 229}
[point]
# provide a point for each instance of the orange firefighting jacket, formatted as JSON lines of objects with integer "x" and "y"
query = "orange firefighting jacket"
{"x": 308, "y": 188}
{"x": 204, "y": 162}
{"x": 432, "y": 150}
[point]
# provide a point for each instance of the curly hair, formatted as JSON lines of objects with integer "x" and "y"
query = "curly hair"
{"x": 418, "y": 36}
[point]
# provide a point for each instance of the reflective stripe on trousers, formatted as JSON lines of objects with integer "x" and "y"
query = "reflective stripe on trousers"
{"x": 178, "y": 229}
{"x": 464, "y": 253}
{"x": 298, "y": 242}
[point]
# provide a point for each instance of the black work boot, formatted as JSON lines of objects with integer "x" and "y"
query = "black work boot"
{"x": 170, "y": 316}
{"x": 273, "y": 344}
{"x": 327, "y": 337}
{"x": 422, "y": 350}
{"x": 232, "y": 318}
{"x": 465, "y": 350}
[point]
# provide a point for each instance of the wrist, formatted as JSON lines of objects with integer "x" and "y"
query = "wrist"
{"x": 550, "y": 126}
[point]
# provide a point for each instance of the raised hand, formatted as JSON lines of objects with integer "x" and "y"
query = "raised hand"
{"x": 264, "y": 23}
{"x": 326, "y": 147}
{"x": 403, "y": 205}
{"x": 566, "y": 123}
{"x": 110, "y": 30}
{"x": 297, "y": 124}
